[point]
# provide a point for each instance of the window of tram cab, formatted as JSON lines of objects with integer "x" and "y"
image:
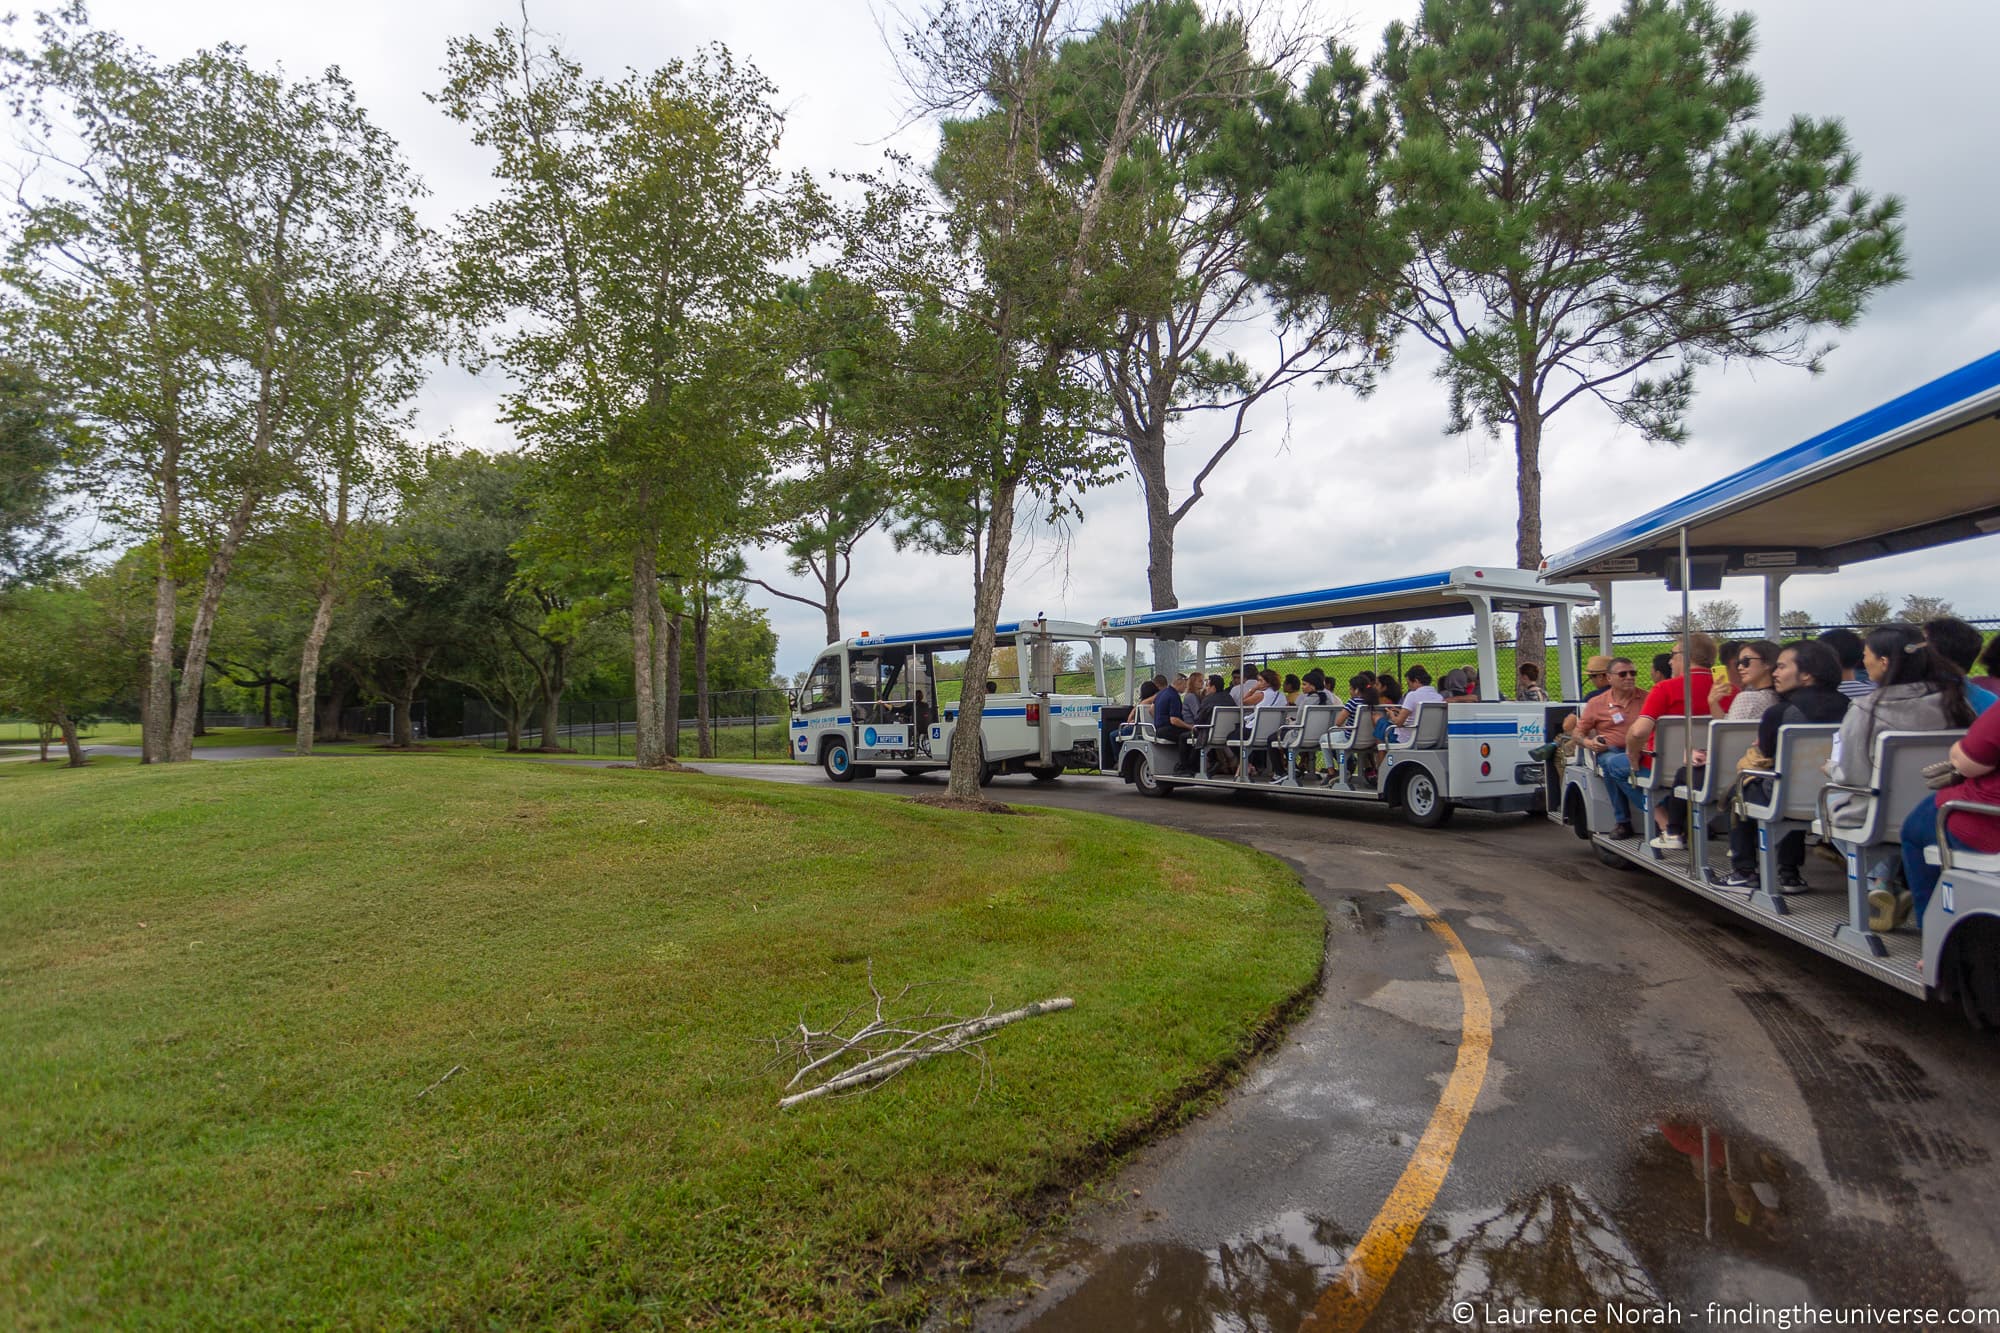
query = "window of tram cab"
{"x": 823, "y": 686}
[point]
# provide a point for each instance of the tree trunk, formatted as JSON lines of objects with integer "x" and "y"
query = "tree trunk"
{"x": 45, "y": 732}
{"x": 648, "y": 744}
{"x": 267, "y": 703}
{"x": 1149, "y": 458}
{"x": 1530, "y": 641}
{"x": 157, "y": 716}
{"x": 670, "y": 678}
{"x": 965, "y": 754}
{"x": 330, "y": 709}
{"x": 830, "y": 588}
{"x": 70, "y": 741}
{"x": 402, "y": 734}
{"x": 704, "y": 737}
{"x": 194, "y": 671}
{"x": 513, "y": 724}
{"x": 308, "y": 691}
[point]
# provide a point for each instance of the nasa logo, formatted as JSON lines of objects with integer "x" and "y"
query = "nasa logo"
{"x": 802, "y": 745}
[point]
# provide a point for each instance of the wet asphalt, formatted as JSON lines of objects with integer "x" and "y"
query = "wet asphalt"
{"x": 1680, "y": 1110}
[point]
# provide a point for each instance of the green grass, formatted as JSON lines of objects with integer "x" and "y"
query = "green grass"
{"x": 765, "y": 742}
{"x": 222, "y": 988}
{"x": 127, "y": 733}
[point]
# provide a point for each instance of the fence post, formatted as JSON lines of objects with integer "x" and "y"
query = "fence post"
{"x": 756, "y": 716}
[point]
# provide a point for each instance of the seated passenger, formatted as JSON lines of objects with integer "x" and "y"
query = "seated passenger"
{"x": 1723, "y": 683}
{"x": 1670, "y": 698}
{"x": 1269, "y": 697}
{"x": 1292, "y": 689}
{"x": 1916, "y": 689}
{"x": 1751, "y": 665}
{"x": 1529, "y": 688}
{"x": 1663, "y": 668}
{"x": 1457, "y": 686}
{"x": 1847, "y": 646}
{"x": 1215, "y": 696}
{"x": 1977, "y": 759}
{"x": 1989, "y": 666}
{"x": 1403, "y": 715}
{"x": 1602, "y": 725}
{"x": 1806, "y": 678}
{"x": 1168, "y": 725}
{"x": 1959, "y": 642}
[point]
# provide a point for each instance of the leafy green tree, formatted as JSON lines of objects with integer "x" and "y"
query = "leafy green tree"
{"x": 202, "y": 220}
{"x": 841, "y": 346}
{"x": 33, "y": 436}
{"x": 638, "y": 222}
{"x": 1870, "y": 612}
{"x": 1796, "y": 620}
{"x": 1037, "y": 258}
{"x": 1198, "y": 170}
{"x": 1593, "y": 212}
{"x": 1917, "y": 609}
{"x": 62, "y": 655}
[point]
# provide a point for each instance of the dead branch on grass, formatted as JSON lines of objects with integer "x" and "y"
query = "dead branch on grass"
{"x": 870, "y": 1044}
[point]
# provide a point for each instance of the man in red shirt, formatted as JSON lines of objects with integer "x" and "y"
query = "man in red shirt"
{"x": 1669, "y": 698}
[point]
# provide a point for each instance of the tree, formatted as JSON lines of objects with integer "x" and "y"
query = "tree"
{"x": 1718, "y": 615}
{"x": 62, "y": 655}
{"x": 208, "y": 219}
{"x": 638, "y": 222}
{"x": 841, "y": 346}
{"x": 1797, "y": 620}
{"x": 1916, "y": 609}
{"x": 1310, "y": 641}
{"x": 1588, "y": 625}
{"x": 1594, "y": 213}
{"x": 1870, "y": 612}
{"x": 1178, "y": 364}
{"x": 1391, "y": 634}
{"x": 1423, "y": 636}
{"x": 1356, "y": 641}
{"x": 1036, "y": 257}
{"x": 33, "y": 437}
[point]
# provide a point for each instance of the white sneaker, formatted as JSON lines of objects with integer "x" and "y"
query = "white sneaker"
{"x": 1669, "y": 842}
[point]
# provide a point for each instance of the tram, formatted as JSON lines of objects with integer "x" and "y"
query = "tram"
{"x": 1918, "y": 472}
{"x": 1478, "y": 753}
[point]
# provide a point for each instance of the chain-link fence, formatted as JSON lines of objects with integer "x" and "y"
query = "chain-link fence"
{"x": 743, "y": 724}
{"x": 1642, "y": 647}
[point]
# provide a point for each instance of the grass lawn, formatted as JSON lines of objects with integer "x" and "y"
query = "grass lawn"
{"x": 223, "y": 987}
{"x": 127, "y": 733}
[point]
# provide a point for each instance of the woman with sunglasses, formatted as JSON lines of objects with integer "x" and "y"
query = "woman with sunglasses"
{"x": 1750, "y": 667}
{"x": 1806, "y": 677}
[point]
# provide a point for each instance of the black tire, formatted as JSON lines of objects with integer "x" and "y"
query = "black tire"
{"x": 986, "y": 774}
{"x": 837, "y": 763}
{"x": 915, "y": 772}
{"x": 1147, "y": 781}
{"x": 1609, "y": 857}
{"x": 1976, "y": 972}
{"x": 1423, "y": 804}
{"x": 1041, "y": 774}
{"x": 864, "y": 770}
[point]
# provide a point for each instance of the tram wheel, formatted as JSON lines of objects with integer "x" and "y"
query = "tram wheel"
{"x": 1423, "y": 804}
{"x": 1978, "y": 977}
{"x": 836, "y": 761}
{"x": 1045, "y": 774}
{"x": 1147, "y": 781}
{"x": 915, "y": 772}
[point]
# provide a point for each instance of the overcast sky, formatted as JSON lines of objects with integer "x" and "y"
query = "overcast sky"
{"x": 1375, "y": 488}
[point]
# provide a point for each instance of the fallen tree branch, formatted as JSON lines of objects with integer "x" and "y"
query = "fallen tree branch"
{"x": 955, "y": 1035}
{"x": 448, "y": 1075}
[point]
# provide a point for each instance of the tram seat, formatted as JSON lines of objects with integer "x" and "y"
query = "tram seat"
{"x": 1728, "y": 742}
{"x": 1314, "y": 722}
{"x": 1895, "y": 784}
{"x": 1360, "y": 736}
{"x": 1791, "y": 795}
{"x": 1429, "y": 731}
{"x": 1672, "y": 739}
{"x": 1221, "y": 724}
{"x": 1983, "y": 863}
{"x": 1265, "y": 724}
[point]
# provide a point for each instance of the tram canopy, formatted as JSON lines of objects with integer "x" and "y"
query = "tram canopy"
{"x": 1452, "y": 592}
{"x": 962, "y": 637}
{"x": 1920, "y": 470}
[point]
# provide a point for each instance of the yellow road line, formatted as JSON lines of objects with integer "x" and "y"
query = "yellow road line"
{"x": 1346, "y": 1304}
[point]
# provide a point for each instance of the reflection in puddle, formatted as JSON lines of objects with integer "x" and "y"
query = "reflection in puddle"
{"x": 1690, "y": 1194}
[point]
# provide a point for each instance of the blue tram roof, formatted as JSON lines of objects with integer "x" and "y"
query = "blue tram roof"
{"x": 1446, "y": 592}
{"x": 1922, "y": 469}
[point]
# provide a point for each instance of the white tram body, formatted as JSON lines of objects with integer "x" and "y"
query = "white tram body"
{"x": 1919, "y": 471}
{"x": 1476, "y": 753}
{"x": 872, "y": 702}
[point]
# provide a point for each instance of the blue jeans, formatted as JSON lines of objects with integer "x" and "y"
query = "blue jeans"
{"x": 1626, "y": 800}
{"x": 1920, "y": 831}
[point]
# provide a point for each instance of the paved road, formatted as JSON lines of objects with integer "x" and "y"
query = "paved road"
{"x": 1850, "y": 1132}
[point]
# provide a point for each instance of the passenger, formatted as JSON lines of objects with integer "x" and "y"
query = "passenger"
{"x": 993, "y": 687}
{"x": 1270, "y": 698}
{"x": 1846, "y": 645}
{"x": 1663, "y": 667}
{"x": 1670, "y": 698}
{"x": 1404, "y": 714}
{"x": 1723, "y": 687}
{"x": 1977, "y": 759}
{"x": 1237, "y": 685}
{"x": 1292, "y": 689}
{"x": 1460, "y": 685}
{"x": 1357, "y": 712}
{"x": 1916, "y": 689}
{"x": 1147, "y": 689}
{"x": 1596, "y": 679}
{"x": 1752, "y": 664}
{"x": 1180, "y": 683}
{"x": 1168, "y": 724}
{"x": 1989, "y": 663}
{"x": 1603, "y": 725}
{"x": 1215, "y": 696}
{"x": 1806, "y": 677}
{"x": 1312, "y": 691}
{"x": 1597, "y": 676}
{"x": 1530, "y": 689}
{"x": 1390, "y": 694}
{"x": 1960, "y": 643}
